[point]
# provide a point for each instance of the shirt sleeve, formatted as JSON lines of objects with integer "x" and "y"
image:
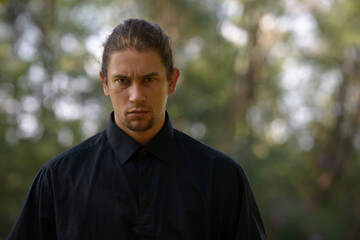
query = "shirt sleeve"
{"x": 249, "y": 224}
{"x": 237, "y": 214}
{"x": 36, "y": 220}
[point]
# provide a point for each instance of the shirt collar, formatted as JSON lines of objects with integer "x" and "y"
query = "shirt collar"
{"x": 162, "y": 144}
{"x": 124, "y": 146}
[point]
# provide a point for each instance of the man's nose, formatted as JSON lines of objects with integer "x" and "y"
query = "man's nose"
{"x": 136, "y": 93}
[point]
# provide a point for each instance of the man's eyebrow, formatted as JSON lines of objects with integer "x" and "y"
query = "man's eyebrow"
{"x": 119, "y": 76}
{"x": 152, "y": 74}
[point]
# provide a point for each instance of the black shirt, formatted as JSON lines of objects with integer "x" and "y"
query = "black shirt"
{"x": 110, "y": 187}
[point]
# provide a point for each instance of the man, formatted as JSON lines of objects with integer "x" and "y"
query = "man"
{"x": 139, "y": 178}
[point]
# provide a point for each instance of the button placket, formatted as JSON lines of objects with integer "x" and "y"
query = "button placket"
{"x": 144, "y": 191}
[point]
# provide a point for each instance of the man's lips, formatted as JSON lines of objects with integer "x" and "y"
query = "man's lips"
{"x": 138, "y": 112}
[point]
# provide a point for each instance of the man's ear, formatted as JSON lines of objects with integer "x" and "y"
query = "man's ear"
{"x": 173, "y": 81}
{"x": 105, "y": 84}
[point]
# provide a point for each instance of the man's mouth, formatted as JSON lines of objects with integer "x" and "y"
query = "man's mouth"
{"x": 138, "y": 112}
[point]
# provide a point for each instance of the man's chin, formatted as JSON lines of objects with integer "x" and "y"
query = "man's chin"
{"x": 140, "y": 125}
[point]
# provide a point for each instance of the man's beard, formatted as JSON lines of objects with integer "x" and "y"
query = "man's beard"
{"x": 138, "y": 125}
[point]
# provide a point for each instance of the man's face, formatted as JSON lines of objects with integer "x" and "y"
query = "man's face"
{"x": 138, "y": 89}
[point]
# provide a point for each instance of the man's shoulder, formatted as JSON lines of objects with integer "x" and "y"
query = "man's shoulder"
{"x": 82, "y": 150}
{"x": 200, "y": 150}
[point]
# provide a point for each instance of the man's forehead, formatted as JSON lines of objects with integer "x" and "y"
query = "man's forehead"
{"x": 130, "y": 51}
{"x": 130, "y": 62}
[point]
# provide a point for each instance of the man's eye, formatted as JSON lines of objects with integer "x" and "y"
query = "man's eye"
{"x": 149, "y": 79}
{"x": 122, "y": 80}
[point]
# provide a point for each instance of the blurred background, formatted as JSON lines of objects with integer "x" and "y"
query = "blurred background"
{"x": 274, "y": 84}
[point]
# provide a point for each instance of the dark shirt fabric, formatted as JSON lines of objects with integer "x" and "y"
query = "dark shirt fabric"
{"x": 110, "y": 187}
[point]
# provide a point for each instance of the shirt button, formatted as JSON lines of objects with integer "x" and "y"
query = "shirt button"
{"x": 143, "y": 155}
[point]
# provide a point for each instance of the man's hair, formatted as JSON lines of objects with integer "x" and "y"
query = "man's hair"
{"x": 139, "y": 35}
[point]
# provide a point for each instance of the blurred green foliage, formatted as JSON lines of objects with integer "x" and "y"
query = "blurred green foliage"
{"x": 274, "y": 84}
